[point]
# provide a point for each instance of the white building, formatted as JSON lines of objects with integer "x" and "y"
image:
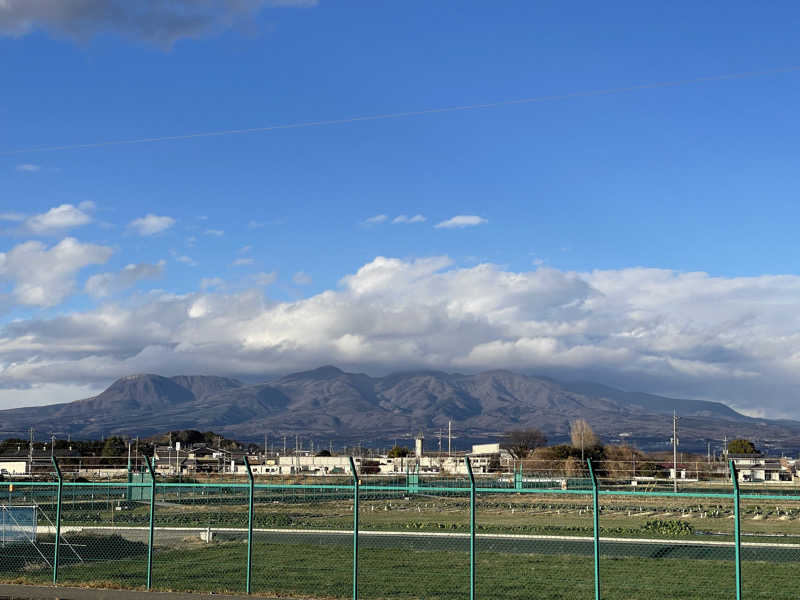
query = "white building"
{"x": 485, "y": 458}
{"x": 14, "y": 466}
{"x": 755, "y": 467}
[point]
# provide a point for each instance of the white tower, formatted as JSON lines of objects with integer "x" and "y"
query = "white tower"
{"x": 418, "y": 442}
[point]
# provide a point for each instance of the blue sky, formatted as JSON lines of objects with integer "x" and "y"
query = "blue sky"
{"x": 699, "y": 177}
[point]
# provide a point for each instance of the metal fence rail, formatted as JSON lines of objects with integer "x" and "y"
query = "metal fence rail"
{"x": 366, "y": 536}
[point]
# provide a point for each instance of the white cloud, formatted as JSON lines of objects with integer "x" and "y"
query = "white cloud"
{"x": 12, "y": 216}
{"x": 58, "y": 219}
{"x": 408, "y": 220}
{"x": 151, "y": 224}
{"x": 215, "y": 232}
{"x": 186, "y": 260}
{"x": 376, "y": 219}
{"x": 732, "y": 339}
{"x": 252, "y": 224}
{"x": 44, "y": 277}
{"x": 264, "y": 279}
{"x": 43, "y": 394}
{"x": 240, "y": 262}
{"x": 161, "y": 23}
{"x": 28, "y": 168}
{"x": 206, "y": 283}
{"x": 245, "y": 249}
{"x": 460, "y": 221}
{"x": 107, "y": 284}
{"x": 301, "y": 278}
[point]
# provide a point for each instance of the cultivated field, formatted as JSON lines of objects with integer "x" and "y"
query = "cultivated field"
{"x": 414, "y": 546}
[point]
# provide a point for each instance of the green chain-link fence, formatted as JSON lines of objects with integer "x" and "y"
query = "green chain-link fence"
{"x": 587, "y": 531}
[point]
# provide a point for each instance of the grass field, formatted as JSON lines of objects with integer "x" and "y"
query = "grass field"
{"x": 392, "y": 567}
{"x": 324, "y": 571}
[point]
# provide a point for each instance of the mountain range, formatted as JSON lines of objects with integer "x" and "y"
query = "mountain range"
{"x": 330, "y": 404}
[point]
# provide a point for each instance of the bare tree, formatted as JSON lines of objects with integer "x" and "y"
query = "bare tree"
{"x": 581, "y": 435}
{"x": 523, "y": 441}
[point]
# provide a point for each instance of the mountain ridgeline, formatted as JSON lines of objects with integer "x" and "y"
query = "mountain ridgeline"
{"x": 330, "y": 404}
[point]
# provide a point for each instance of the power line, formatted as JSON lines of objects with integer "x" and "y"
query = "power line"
{"x": 405, "y": 114}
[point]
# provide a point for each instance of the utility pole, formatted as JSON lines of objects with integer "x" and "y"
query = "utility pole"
{"x": 675, "y": 449}
{"x": 449, "y": 437}
{"x": 52, "y": 445}
{"x": 30, "y": 453}
{"x": 284, "y": 445}
{"x": 582, "y": 428}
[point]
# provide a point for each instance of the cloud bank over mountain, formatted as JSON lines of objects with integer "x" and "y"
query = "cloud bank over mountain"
{"x": 730, "y": 339}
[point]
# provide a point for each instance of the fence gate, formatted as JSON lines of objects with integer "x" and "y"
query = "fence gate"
{"x": 17, "y": 524}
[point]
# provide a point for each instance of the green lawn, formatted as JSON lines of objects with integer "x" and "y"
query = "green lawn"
{"x": 395, "y": 569}
{"x": 325, "y": 571}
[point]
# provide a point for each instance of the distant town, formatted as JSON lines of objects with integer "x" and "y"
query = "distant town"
{"x": 191, "y": 454}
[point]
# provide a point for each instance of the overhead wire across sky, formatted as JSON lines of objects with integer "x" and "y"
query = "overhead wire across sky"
{"x": 405, "y": 114}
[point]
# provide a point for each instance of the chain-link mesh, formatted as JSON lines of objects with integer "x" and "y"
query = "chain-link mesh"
{"x": 303, "y": 537}
{"x": 200, "y": 533}
{"x": 770, "y": 528}
{"x": 665, "y": 542}
{"x": 414, "y": 540}
{"x": 26, "y": 540}
{"x": 652, "y": 538}
{"x": 100, "y": 544}
{"x": 534, "y": 533}
{"x": 535, "y": 545}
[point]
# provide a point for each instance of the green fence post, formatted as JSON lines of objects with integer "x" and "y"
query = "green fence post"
{"x": 596, "y": 527}
{"x": 355, "y": 528}
{"x": 471, "y": 529}
{"x": 149, "y": 463}
{"x": 249, "y": 523}
{"x": 58, "y": 519}
{"x": 737, "y": 533}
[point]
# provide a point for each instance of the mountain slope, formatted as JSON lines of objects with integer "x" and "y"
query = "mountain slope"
{"x": 203, "y": 386}
{"x": 656, "y": 404}
{"x": 332, "y": 404}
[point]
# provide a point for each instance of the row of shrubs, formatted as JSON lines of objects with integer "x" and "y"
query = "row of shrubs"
{"x": 665, "y": 527}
